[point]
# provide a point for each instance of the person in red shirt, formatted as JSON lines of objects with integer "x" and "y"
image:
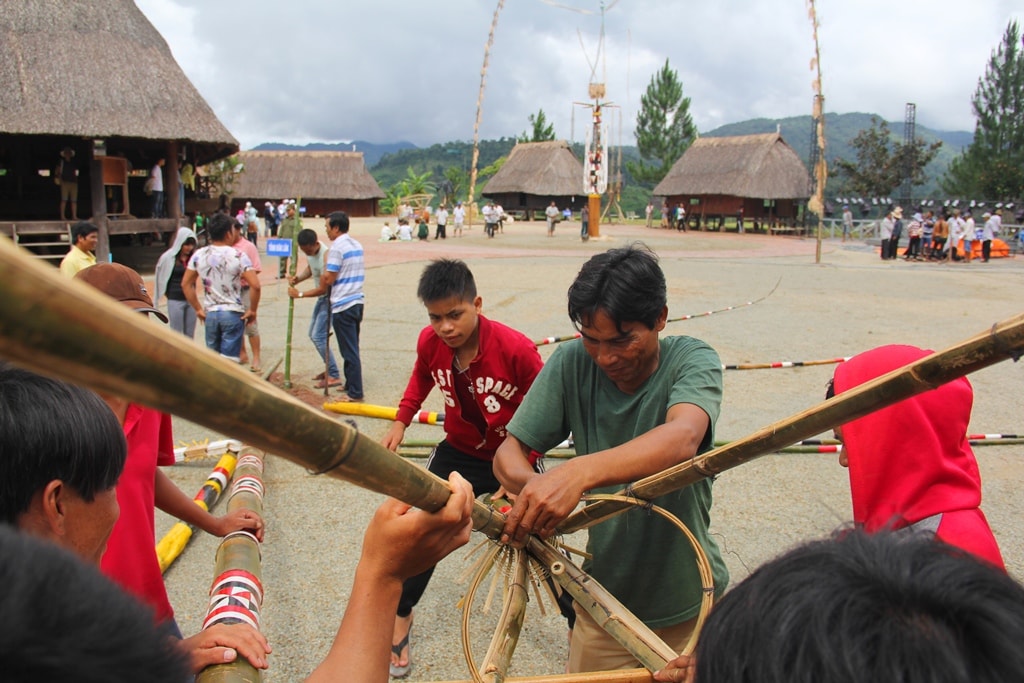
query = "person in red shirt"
{"x": 482, "y": 369}
{"x": 910, "y": 463}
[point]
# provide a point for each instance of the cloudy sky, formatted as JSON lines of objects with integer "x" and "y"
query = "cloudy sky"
{"x": 390, "y": 70}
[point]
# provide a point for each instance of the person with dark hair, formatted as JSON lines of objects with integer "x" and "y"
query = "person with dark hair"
{"x": 864, "y": 608}
{"x": 482, "y": 369}
{"x": 67, "y": 178}
{"x": 344, "y": 276}
{"x": 156, "y": 184}
{"x": 170, "y": 271}
{"x": 82, "y": 254}
{"x": 319, "y": 325}
{"x": 911, "y": 466}
{"x": 288, "y": 229}
{"x": 57, "y": 482}
{"x": 63, "y": 621}
{"x": 635, "y": 405}
{"x": 222, "y": 268}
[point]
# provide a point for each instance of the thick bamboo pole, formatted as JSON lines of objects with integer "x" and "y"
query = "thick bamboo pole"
{"x": 236, "y": 594}
{"x": 174, "y": 541}
{"x": 626, "y": 676}
{"x": 1002, "y": 341}
{"x": 69, "y": 330}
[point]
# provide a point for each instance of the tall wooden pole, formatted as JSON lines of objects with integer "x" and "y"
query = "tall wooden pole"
{"x": 470, "y": 202}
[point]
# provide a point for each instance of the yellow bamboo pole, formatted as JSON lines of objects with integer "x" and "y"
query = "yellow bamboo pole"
{"x": 236, "y": 594}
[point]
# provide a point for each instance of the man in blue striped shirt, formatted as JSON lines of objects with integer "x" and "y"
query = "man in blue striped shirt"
{"x": 344, "y": 274}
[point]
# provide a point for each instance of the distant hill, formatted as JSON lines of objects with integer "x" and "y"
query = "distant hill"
{"x": 372, "y": 153}
{"x": 841, "y": 129}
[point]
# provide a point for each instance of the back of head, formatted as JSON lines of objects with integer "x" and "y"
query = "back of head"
{"x": 339, "y": 220}
{"x": 219, "y": 225}
{"x": 446, "y": 278}
{"x": 82, "y": 229}
{"x": 51, "y": 430}
{"x": 867, "y": 608}
{"x": 64, "y": 621}
{"x": 306, "y": 237}
{"x": 626, "y": 283}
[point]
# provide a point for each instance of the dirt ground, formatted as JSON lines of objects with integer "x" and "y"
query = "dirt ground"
{"x": 847, "y": 303}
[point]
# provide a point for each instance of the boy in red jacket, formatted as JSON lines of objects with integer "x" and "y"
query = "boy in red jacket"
{"x": 483, "y": 369}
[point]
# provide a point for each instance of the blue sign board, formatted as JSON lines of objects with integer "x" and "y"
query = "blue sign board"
{"x": 279, "y": 247}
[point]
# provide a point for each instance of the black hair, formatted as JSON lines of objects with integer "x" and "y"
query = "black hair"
{"x": 188, "y": 240}
{"x": 64, "y": 621}
{"x": 339, "y": 220}
{"x": 626, "y": 283}
{"x": 306, "y": 237}
{"x": 219, "y": 226}
{"x": 51, "y": 430}
{"x": 446, "y": 278}
{"x": 859, "y": 607}
{"x": 82, "y": 229}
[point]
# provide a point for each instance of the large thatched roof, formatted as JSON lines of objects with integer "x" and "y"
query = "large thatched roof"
{"x": 755, "y": 166}
{"x": 97, "y": 69}
{"x": 539, "y": 168}
{"x": 310, "y": 175}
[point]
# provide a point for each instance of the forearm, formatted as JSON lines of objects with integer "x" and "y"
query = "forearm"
{"x": 360, "y": 649}
{"x": 512, "y": 464}
{"x": 169, "y": 498}
{"x": 254, "y": 298}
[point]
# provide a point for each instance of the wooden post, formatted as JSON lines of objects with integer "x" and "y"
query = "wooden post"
{"x": 594, "y": 207}
{"x": 98, "y": 199}
{"x": 171, "y": 183}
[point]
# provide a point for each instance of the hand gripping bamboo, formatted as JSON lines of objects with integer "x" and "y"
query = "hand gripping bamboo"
{"x": 68, "y": 330}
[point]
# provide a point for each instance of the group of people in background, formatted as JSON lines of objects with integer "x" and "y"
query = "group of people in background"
{"x": 938, "y": 237}
{"x": 416, "y": 223}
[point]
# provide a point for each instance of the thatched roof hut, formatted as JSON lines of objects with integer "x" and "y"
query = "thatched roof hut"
{"x": 535, "y": 174}
{"x": 758, "y": 174}
{"x": 99, "y": 70}
{"x": 326, "y": 181}
{"x": 95, "y": 77}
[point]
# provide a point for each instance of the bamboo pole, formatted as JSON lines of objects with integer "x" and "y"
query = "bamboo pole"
{"x": 73, "y": 332}
{"x": 174, "y": 541}
{"x": 291, "y": 302}
{"x": 513, "y": 611}
{"x": 236, "y": 594}
{"x": 1002, "y": 341}
{"x": 626, "y": 676}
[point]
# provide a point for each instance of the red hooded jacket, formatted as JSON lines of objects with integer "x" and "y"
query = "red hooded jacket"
{"x": 911, "y": 461}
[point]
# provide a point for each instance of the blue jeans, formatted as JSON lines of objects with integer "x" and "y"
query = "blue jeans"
{"x": 346, "y": 329}
{"x": 318, "y": 334}
{"x": 224, "y": 330}
{"x": 158, "y": 203}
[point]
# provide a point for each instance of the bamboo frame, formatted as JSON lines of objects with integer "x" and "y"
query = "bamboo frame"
{"x": 71, "y": 331}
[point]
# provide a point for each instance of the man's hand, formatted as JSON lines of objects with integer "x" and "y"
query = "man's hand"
{"x": 292, "y": 292}
{"x": 222, "y": 643}
{"x": 240, "y": 520}
{"x": 249, "y": 316}
{"x": 201, "y": 313}
{"x": 679, "y": 670}
{"x": 544, "y": 501}
{"x": 292, "y": 280}
{"x": 393, "y": 439}
{"x": 401, "y": 541}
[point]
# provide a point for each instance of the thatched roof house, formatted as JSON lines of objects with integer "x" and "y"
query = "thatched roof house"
{"x": 326, "y": 181}
{"x": 535, "y": 174}
{"x": 759, "y": 174}
{"x": 96, "y": 77}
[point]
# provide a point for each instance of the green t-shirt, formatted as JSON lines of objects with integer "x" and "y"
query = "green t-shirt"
{"x": 645, "y": 561}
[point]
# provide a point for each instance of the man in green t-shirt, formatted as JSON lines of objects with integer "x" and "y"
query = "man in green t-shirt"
{"x": 635, "y": 405}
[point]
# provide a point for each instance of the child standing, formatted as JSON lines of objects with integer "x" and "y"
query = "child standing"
{"x": 483, "y": 369}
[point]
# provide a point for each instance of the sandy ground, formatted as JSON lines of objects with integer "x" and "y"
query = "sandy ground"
{"x": 849, "y": 302}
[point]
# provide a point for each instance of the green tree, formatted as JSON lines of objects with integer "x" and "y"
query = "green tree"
{"x": 223, "y": 174}
{"x": 882, "y": 161}
{"x": 992, "y": 167}
{"x": 542, "y": 130}
{"x": 664, "y": 128}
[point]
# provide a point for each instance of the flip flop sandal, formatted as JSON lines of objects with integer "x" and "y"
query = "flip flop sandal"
{"x": 332, "y": 382}
{"x": 395, "y": 670}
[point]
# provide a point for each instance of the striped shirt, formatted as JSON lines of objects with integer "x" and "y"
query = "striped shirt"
{"x": 345, "y": 258}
